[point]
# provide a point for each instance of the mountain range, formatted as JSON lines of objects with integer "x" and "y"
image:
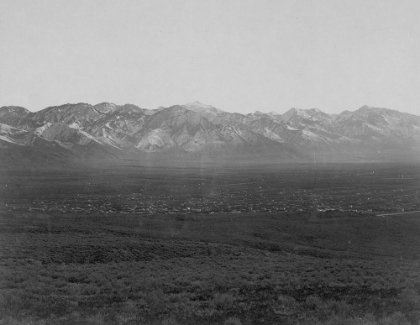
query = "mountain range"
{"x": 107, "y": 132}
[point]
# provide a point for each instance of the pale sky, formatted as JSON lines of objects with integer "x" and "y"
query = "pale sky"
{"x": 239, "y": 56}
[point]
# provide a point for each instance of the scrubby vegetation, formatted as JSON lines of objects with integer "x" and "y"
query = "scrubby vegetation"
{"x": 300, "y": 267}
{"x": 70, "y": 270}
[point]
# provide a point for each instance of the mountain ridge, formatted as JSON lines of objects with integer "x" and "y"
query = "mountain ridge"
{"x": 112, "y": 131}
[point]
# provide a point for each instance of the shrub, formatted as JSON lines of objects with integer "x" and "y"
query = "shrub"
{"x": 233, "y": 321}
{"x": 340, "y": 307}
{"x": 97, "y": 319}
{"x": 223, "y": 301}
{"x": 156, "y": 301}
{"x": 395, "y": 319}
{"x": 170, "y": 321}
{"x": 314, "y": 302}
{"x": 410, "y": 300}
{"x": 285, "y": 305}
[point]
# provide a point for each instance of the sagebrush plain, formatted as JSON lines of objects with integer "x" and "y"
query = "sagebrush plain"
{"x": 302, "y": 244}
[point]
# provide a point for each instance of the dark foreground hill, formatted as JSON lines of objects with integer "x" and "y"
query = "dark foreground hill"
{"x": 197, "y": 132}
{"x": 219, "y": 269}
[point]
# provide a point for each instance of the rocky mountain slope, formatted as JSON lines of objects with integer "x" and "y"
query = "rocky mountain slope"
{"x": 108, "y": 131}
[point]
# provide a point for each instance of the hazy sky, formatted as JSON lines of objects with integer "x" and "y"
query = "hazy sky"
{"x": 239, "y": 56}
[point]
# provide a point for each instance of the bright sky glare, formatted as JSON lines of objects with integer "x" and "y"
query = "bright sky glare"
{"x": 237, "y": 55}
